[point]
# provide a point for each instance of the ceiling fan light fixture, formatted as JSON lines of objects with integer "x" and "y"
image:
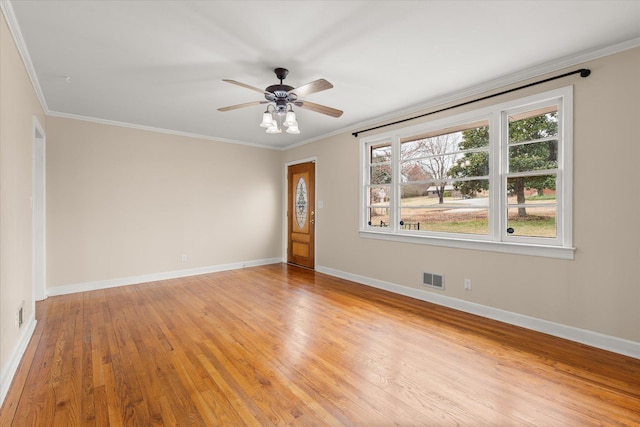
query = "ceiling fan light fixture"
{"x": 267, "y": 120}
{"x": 274, "y": 128}
{"x": 290, "y": 119}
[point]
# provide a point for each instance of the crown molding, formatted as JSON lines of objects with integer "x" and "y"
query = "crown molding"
{"x": 14, "y": 28}
{"x": 158, "y": 130}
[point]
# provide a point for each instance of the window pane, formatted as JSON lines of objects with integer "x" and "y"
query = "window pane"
{"x": 453, "y": 194}
{"x": 535, "y": 212}
{"x": 531, "y": 190}
{"x": 380, "y": 153}
{"x": 532, "y": 125}
{"x": 445, "y": 208}
{"x": 533, "y": 156}
{"x": 532, "y": 221}
{"x": 381, "y": 174}
{"x": 473, "y": 220}
{"x": 440, "y": 157}
{"x": 378, "y": 217}
{"x": 379, "y": 195}
{"x": 461, "y": 138}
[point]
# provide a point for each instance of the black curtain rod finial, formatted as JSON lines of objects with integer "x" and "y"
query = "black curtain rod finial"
{"x": 585, "y": 72}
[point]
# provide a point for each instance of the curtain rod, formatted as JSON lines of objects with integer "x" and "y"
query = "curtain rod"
{"x": 584, "y": 72}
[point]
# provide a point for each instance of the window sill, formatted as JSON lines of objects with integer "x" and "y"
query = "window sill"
{"x": 480, "y": 245}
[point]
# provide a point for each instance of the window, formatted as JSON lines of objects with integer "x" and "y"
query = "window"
{"x": 498, "y": 178}
{"x": 444, "y": 181}
{"x": 379, "y": 187}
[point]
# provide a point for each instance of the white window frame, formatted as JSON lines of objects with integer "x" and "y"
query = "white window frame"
{"x": 497, "y": 239}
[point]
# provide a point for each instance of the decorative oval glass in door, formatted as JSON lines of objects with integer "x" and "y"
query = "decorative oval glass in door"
{"x": 301, "y": 203}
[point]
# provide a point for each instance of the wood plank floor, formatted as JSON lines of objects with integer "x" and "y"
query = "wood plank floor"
{"x": 280, "y": 345}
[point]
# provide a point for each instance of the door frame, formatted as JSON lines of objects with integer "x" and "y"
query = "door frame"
{"x": 39, "y": 212}
{"x": 285, "y": 224}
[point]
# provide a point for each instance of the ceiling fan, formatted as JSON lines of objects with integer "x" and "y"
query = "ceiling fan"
{"x": 281, "y": 98}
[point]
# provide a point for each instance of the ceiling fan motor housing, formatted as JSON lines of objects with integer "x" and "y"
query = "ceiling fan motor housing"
{"x": 279, "y": 94}
{"x": 280, "y": 91}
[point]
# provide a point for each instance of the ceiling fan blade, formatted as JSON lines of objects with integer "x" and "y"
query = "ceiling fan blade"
{"x": 233, "y": 82}
{"x": 313, "y": 87}
{"x": 319, "y": 108}
{"x": 246, "y": 104}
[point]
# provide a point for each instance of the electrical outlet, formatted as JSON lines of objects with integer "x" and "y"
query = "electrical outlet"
{"x": 467, "y": 284}
{"x": 184, "y": 258}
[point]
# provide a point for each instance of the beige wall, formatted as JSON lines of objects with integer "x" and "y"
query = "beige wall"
{"x": 124, "y": 202}
{"x": 18, "y": 106}
{"x": 598, "y": 291}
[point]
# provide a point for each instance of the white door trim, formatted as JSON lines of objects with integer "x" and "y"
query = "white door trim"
{"x": 39, "y": 212}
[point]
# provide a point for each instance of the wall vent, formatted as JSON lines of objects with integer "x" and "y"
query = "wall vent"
{"x": 433, "y": 280}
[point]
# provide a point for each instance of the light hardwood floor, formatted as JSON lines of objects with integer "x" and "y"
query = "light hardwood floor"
{"x": 280, "y": 345}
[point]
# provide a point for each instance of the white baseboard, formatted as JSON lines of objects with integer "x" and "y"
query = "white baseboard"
{"x": 134, "y": 280}
{"x": 583, "y": 336}
{"x": 15, "y": 357}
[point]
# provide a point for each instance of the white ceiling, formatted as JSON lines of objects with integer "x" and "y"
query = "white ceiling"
{"x": 160, "y": 64}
